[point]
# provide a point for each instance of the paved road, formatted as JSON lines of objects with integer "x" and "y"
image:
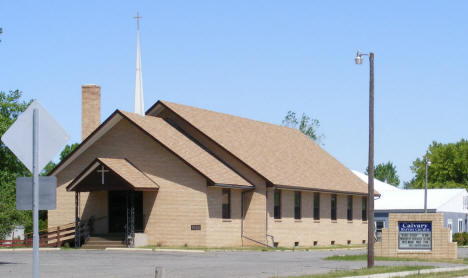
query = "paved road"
{"x": 90, "y": 263}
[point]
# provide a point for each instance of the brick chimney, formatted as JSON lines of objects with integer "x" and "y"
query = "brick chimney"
{"x": 90, "y": 109}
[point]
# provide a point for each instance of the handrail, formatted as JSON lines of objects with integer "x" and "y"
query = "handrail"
{"x": 52, "y": 236}
{"x": 256, "y": 241}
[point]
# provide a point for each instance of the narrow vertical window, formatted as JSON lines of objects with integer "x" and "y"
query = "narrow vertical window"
{"x": 297, "y": 205}
{"x": 316, "y": 206}
{"x": 364, "y": 208}
{"x": 226, "y": 203}
{"x": 277, "y": 205}
{"x": 333, "y": 207}
{"x": 350, "y": 208}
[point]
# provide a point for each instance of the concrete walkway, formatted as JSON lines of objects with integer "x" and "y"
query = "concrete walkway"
{"x": 406, "y": 273}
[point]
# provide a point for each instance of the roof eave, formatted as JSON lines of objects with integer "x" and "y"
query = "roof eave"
{"x": 315, "y": 189}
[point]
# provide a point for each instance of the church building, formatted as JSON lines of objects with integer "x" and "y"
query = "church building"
{"x": 180, "y": 175}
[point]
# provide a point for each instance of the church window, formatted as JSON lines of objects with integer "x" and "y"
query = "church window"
{"x": 226, "y": 203}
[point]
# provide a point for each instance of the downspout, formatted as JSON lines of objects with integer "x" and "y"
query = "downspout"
{"x": 266, "y": 216}
{"x": 242, "y": 218}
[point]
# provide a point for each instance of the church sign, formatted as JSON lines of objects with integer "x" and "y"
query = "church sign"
{"x": 415, "y": 235}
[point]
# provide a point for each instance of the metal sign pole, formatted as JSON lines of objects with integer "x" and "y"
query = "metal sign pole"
{"x": 35, "y": 204}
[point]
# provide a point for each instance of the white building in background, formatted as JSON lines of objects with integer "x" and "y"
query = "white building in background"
{"x": 452, "y": 202}
{"x": 17, "y": 233}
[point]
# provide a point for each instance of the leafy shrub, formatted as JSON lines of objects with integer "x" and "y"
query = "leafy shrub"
{"x": 459, "y": 238}
{"x": 465, "y": 237}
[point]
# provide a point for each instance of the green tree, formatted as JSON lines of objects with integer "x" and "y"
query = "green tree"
{"x": 386, "y": 172}
{"x": 65, "y": 152}
{"x": 305, "y": 124}
{"x": 448, "y": 169}
{"x": 11, "y": 106}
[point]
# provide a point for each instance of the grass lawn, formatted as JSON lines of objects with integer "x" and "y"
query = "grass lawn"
{"x": 257, "y": 248}
{"x": 365, "y": 271}
{"x": 363, "y": 257}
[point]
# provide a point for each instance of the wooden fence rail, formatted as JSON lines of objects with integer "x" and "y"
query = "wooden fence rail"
{"x": 50, "y": 237}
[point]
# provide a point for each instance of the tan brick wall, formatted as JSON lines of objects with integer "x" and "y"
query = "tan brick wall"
{"x": 223, "y": 232}
{"x": 255, "y": 201}
{"x": 288, "y": 230}
{"x": 254, "y": 231}
{"x": 90, "y": 109}
{"x": 442, "y": 245}
{"x": 180, "y": 202}
{"x": 96, "y": 205}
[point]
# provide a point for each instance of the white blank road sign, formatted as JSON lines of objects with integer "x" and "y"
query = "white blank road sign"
{"x": 19, "y": 137}
{"x": 47, "y": 193}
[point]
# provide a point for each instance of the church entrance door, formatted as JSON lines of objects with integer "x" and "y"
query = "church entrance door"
{"x": 119, "y": 206}
{"x": 117, "y": 211}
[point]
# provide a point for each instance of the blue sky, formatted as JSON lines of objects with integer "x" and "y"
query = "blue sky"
{"x": 256, "y": 59}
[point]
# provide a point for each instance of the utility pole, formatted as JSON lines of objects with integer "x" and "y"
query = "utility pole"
{"x": 370, "y": 199}
{"x": 427, "y": 163}
{"x": 370, "y": 181}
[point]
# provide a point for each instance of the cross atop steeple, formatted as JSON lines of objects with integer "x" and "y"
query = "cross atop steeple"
{"x": 137, "y": 17}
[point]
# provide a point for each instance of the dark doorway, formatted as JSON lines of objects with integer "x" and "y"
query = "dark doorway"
{"x": 119, "y": 204}
{"x": 117, "y": 211}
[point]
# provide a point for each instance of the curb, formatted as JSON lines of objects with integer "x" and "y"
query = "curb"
{"x": 28, "y": 249}
{"x": 412, "y": 272}
{"x": 127, "y": 249}
{"x": 178, "y": 250}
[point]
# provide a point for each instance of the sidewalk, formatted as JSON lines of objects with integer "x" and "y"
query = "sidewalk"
{"x": 412, "y": 272}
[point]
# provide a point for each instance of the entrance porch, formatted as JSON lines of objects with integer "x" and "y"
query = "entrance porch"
{"x": 115, "y": 203}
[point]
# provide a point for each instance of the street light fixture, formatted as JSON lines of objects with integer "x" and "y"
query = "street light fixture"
{"x": 358, "y": 58}
{"x": 370, "y": 198}
{"x": 428, "y": 163}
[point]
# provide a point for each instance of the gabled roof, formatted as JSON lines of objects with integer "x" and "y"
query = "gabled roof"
{"x": 123, "y": 168}
{"x": 378, "y": 185}
{"x": 188, "y": 150}
{"x": 284, "y": 156}
{"x": 193, "y": 155}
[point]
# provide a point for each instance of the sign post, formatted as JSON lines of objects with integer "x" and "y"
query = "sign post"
{"x": 35, "y": 204}
{"x": 35, "y": 151}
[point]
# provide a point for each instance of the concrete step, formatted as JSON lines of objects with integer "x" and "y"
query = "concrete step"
{"x": 111, "y": 238}
{"x": 113, "y": 243}
{"x": 104, "y": 241}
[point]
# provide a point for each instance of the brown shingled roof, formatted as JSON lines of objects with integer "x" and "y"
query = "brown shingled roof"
{"x": 189, "y": 151}
{"x": 283, "y": 155}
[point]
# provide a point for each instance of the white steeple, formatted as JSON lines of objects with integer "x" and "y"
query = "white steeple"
{"x": 139, "y": 106}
